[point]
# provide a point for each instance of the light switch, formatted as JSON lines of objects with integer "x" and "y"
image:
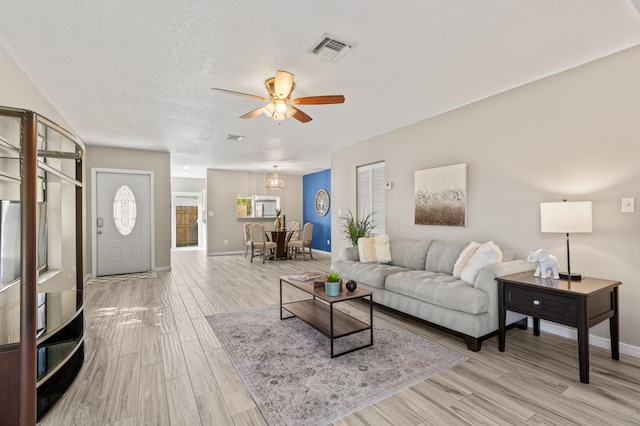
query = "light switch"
{"x": 210, "y": 213}
{"x": 628, "y": 205}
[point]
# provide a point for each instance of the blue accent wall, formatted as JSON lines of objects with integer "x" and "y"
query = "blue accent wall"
{"x": 311, "y": 184}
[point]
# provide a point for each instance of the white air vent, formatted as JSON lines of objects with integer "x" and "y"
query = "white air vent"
{"x": 233, "y": 137}
{"x": 329, "y": 48}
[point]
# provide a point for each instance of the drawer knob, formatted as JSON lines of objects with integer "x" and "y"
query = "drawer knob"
{"x": 536, "y": 302}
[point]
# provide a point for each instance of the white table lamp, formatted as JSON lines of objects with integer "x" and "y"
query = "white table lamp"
{"x": 566, "y": 217}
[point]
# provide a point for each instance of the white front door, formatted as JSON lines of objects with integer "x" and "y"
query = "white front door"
{"x": 122, "y": 223}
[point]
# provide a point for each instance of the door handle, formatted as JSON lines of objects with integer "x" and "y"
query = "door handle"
{"x": 99, "y": 231}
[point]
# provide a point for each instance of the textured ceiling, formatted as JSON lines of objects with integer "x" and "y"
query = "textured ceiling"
{"x": 138, "y": 73}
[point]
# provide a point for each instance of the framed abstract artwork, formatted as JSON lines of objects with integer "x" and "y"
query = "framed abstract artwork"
{"x": 441, "y": 196}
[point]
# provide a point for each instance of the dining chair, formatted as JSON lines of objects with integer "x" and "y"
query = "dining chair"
{"x": 294, "y": 227}
{"x": 299, "y": 246}
{"x": 247, "y": 237}
{"x": 293, "y": 234}
{"x": 259, "y": 242}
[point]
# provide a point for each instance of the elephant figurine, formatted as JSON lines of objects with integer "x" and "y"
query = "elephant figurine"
{"x": 546, "y": 262}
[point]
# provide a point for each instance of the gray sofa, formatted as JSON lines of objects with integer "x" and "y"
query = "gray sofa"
{"x": 419, "y": 282}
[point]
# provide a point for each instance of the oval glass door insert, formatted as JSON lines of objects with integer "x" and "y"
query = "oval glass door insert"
{"x": 124, "y": 210}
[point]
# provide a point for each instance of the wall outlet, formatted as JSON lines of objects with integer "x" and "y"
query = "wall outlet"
{"x": 328, "y": 242}
{"x": 226, "y": 242}
{"x": 340, "y": 254}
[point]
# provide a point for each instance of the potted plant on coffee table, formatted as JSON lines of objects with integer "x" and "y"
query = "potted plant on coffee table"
{"x": 332, "y": 285}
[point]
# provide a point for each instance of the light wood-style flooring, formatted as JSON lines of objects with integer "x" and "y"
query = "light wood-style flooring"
{"x": 152, "y": 359}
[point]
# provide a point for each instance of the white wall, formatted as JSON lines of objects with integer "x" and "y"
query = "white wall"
{"x": 188, "y": 185}
{"x": 223, "y": 187}
{"x": 16, "y": 90}
{"x": 575, "y": 135}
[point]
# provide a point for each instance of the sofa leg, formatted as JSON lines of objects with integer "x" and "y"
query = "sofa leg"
{"x": 473, "y": 344}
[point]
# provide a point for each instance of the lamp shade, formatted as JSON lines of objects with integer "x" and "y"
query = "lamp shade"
{"x": 566, "y": 217}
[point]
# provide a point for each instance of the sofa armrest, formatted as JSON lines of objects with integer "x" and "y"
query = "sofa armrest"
{"x": 488, "y": 274}
{"x": 351, "y": 253}
{"x": 486, "y": 281}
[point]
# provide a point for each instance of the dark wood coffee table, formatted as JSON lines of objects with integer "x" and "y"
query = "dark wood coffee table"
{"x": 318, "y": 311}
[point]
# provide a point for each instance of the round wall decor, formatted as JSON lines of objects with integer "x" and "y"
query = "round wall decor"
{"x": 322, "y": 202}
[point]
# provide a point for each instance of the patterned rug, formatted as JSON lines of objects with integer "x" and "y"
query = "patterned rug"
{"x": 287, "y": 368}
{"x": 122, "y": 277}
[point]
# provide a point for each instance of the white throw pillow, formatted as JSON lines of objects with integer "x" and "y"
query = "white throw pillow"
{"x": 464, "y": 257}
{"x": 374, "y": 249}
{"x": 487, "y": 254}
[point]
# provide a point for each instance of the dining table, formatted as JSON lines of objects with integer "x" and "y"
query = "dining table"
{"x": 281, "y": 238}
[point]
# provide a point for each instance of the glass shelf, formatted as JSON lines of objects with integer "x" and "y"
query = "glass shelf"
{"x": 51, "y": 356}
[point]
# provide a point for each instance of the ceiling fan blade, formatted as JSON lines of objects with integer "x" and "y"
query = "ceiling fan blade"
{"x": 246, "y": 95}
{"x": 301, "y": 116}
{"x": 253, "y": 113}
{"x": 283, "y": 84}
{"x": 319, "y": 100}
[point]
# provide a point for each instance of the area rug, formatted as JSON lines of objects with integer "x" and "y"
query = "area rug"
{"x": 287, "y": 368}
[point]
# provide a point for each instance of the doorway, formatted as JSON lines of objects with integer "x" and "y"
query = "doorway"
{"x": 122, "y": 221}
{"x": 186, "y": 219}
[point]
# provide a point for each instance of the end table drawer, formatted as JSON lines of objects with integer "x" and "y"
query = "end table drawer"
{"x": 541, "y": 305}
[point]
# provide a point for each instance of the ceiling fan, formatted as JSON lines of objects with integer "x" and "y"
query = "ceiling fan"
{"x": 279, "y": 107}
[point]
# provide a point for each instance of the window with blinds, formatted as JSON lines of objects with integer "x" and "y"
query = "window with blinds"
{"x": 371, "y": 195}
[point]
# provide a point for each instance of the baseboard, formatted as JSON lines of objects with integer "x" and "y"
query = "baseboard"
{"x": 162, "y": 268}
{"x": 597, "y": 341}
{"x": 225, "y": 253}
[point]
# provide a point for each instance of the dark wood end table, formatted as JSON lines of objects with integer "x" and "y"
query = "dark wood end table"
{"x": 580, "y": 304}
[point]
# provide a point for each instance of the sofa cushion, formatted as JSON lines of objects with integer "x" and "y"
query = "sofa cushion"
{"x": 371, "y": 274}
{"x": 409, "y": 254}
{"x": 442, "y": 256}
{"x": 439, "y": 289}
{"x": 374, "y": 249}
{"x": 487, "y": 254}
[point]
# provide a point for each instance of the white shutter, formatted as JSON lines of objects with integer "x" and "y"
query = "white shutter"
{"x": 371, "y": 195}
{"x": 364, "y": 192}
{"x": 377, "y": 199}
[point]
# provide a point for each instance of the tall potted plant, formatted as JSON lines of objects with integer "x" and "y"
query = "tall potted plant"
{"x": 353, "y": 228}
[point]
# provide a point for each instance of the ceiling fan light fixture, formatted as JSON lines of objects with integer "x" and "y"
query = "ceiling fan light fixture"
{"x": 270, "y": 111}
{"x": 290, "y": 111}
{"x": 275, "y": 182}
{"x": 281, "y": 107}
